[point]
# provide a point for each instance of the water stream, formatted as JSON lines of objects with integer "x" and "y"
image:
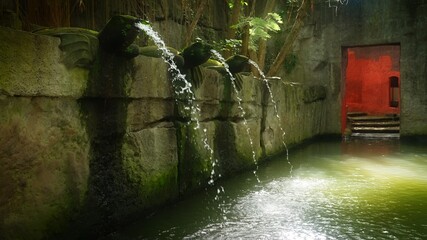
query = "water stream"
{"x": 182, "y": 87}
{"x": 339, "y": 190}
{"x": 276, "y": 112}
{"x": 240, "y": 106}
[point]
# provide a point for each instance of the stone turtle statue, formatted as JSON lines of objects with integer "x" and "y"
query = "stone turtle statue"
{"x": 80, "y": 46}
{"x": 237, "y": 65}
{"x": 189, "y": 60}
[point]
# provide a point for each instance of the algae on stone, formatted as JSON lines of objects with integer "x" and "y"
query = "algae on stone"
{"x": 29, "y": 66}
{"x": 44, "y": 166}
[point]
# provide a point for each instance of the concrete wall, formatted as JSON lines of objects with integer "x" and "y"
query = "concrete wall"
{"x": 80, "y": 153}
{"x": 361, "y": 23}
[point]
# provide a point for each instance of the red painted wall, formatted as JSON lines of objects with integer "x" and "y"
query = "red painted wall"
{"x": 367, "y": 84}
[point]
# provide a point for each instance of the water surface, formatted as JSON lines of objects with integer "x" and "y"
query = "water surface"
{"x": 337, "y": 190}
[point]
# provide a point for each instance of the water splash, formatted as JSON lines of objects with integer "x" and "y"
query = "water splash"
{"x": 240, "y": 106}
{"x": 182, "y": 87}
{"x": 276, "y": 112}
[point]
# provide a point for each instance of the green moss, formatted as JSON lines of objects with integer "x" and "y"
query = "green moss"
{"x": 80, "y": 78}
{"x": 159, "y": 187}
{"x": 39, "y": 221}
{"x": 226, "y": 103}
{"x": 194, "y": 164}
{"x": 232, "y": 157}
{"x": 154, "y": 182}
{"x": 41, "y": 187}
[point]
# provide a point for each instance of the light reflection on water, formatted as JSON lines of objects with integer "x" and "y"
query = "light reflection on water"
{"x": 337, "y": 191}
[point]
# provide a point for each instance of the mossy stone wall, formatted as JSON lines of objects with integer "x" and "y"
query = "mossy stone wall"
{"x": 85, "y": 150}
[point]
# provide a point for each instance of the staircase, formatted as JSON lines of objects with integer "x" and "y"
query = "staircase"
{"x": 371, "y": 126}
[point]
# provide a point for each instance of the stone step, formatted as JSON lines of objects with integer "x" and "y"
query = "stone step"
{"x": 373, "y": 118}
{"x": 376, "y": 135}
{"x": 394, "y": 129}
{"x": 376, "y": 124}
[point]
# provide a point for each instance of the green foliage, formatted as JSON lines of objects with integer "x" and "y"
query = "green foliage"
{"x": 260, "y": 28}
{"x": 231, "y": 3}
{"x": 232, "y": 45}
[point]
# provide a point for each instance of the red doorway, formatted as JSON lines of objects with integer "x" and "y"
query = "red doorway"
{"x": 372, "y": 81}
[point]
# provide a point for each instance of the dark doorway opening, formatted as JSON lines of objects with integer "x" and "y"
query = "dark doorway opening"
{"x": 371, "y": 102}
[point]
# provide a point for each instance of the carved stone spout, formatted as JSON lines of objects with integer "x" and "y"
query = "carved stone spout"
{"x": 118, "y": 35}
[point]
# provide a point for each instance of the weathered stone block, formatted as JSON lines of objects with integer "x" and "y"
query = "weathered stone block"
{"x": 30, "y": 65}
{"x": 150, "y": 79}
{"x": 149, "y": 113}
{"x": 195, "y": 158}
{"x": 208, "y": 95}
{"x": 44, "y": 165}
{"x": 236, "y": 143}
{"x": 150, "y": 161}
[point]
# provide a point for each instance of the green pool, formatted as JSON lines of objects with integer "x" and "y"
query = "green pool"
{"x": 374, "y": 189}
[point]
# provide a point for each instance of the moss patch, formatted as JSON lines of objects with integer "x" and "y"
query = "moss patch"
{"x": 194, "y": 165}
{"x": 44, "y": 166}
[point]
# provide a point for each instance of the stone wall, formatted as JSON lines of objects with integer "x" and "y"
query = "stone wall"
{"x": 80, "y": 154}
{"x": 44, "y": 164}
{"x": 363, "y": 23}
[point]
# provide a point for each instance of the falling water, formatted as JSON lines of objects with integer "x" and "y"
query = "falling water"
{"x": 276, "y": 112}
{"x": 239, "y": 101}
{"x": 173, "y": 68}
{"x": 185, "y": 90}
{"x": 179, "y": 89}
